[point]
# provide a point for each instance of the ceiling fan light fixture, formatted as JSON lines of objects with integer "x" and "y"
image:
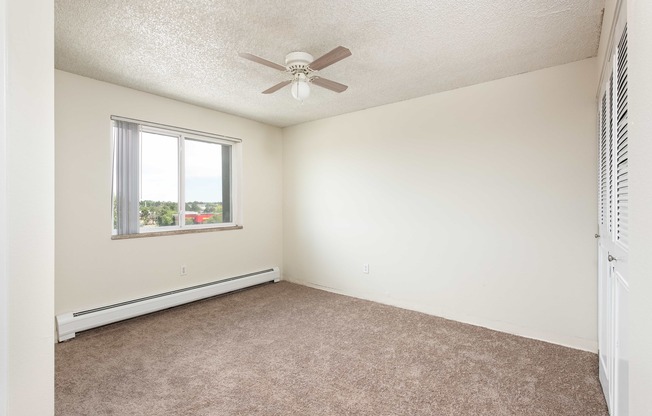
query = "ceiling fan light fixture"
{"x": 300, "y": 88}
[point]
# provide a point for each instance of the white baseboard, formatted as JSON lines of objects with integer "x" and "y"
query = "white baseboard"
{"x": 68, "y": 324}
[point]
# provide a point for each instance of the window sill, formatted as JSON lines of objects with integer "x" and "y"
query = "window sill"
{"x": 175, "y": 232}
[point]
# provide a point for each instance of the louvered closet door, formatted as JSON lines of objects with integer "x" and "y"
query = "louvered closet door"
{"x": 613, "y": 218}
{"x": 605, "y": 284}
{"x": 620, "y": 248}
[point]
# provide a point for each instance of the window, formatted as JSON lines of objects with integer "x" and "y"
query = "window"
{"x": 167, "y": 179}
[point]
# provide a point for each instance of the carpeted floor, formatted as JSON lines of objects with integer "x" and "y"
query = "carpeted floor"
{"x": 285, "y": 349}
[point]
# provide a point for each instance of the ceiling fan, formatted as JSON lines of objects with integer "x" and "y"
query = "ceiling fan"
{"x": 302, "y": 68}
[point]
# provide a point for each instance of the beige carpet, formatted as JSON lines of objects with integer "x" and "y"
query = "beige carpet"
{"x": 285, "y": 349}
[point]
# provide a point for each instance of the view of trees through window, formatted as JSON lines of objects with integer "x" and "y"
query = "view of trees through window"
{"x": 165, "y": 213}
{"x": 160, "y": 181}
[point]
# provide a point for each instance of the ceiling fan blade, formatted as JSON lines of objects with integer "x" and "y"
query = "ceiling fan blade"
{"x": 260, "y": 60}
{"x": 329, "y": 85}
{"x": 330, "y": 58}
{"x": 276, "y": 87}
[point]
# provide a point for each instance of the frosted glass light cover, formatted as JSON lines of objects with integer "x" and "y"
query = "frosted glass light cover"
{"x": 300, "y": 90}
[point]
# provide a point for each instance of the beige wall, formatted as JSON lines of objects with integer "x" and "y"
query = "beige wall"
{"x": 639, "y": 16}
{"x": 27, "y": 208}
{"x": 92, "y": 269}
{"x": 476, "y": 204}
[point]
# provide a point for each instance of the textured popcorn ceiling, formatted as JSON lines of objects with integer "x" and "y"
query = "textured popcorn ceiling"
{"x": 188, "y": 49}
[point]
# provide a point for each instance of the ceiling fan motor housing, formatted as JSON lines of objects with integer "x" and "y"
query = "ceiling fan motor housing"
{"x": 298, "y": 62}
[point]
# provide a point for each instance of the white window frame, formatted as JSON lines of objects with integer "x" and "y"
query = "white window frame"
{"x": 182, "y": 135}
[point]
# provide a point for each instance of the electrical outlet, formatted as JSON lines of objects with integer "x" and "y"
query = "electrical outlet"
{"x": 183, "y": 270}
{"x": 365, "y": 268}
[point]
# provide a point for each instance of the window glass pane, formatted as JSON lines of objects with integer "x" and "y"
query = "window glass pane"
{"x": 159, "y": 189}
{"x": 203, "y": 183}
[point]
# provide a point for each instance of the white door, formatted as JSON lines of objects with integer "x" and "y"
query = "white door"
{"x": 613, "y": 212}
{"x": 605, "y": 284}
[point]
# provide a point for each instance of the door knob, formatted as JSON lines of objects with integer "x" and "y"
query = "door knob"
{"x": 597, "y": 236}
{"x": 611, "y": 258}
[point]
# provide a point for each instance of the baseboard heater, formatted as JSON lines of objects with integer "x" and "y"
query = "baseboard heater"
{"x": 70, "y": 323}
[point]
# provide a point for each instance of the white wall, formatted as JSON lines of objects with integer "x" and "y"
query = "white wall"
{"x": 27, "y": 208}
{"x": 92, "y": 269}
{"x": 639, "y": 16}
{"x": 476, "y": 204}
